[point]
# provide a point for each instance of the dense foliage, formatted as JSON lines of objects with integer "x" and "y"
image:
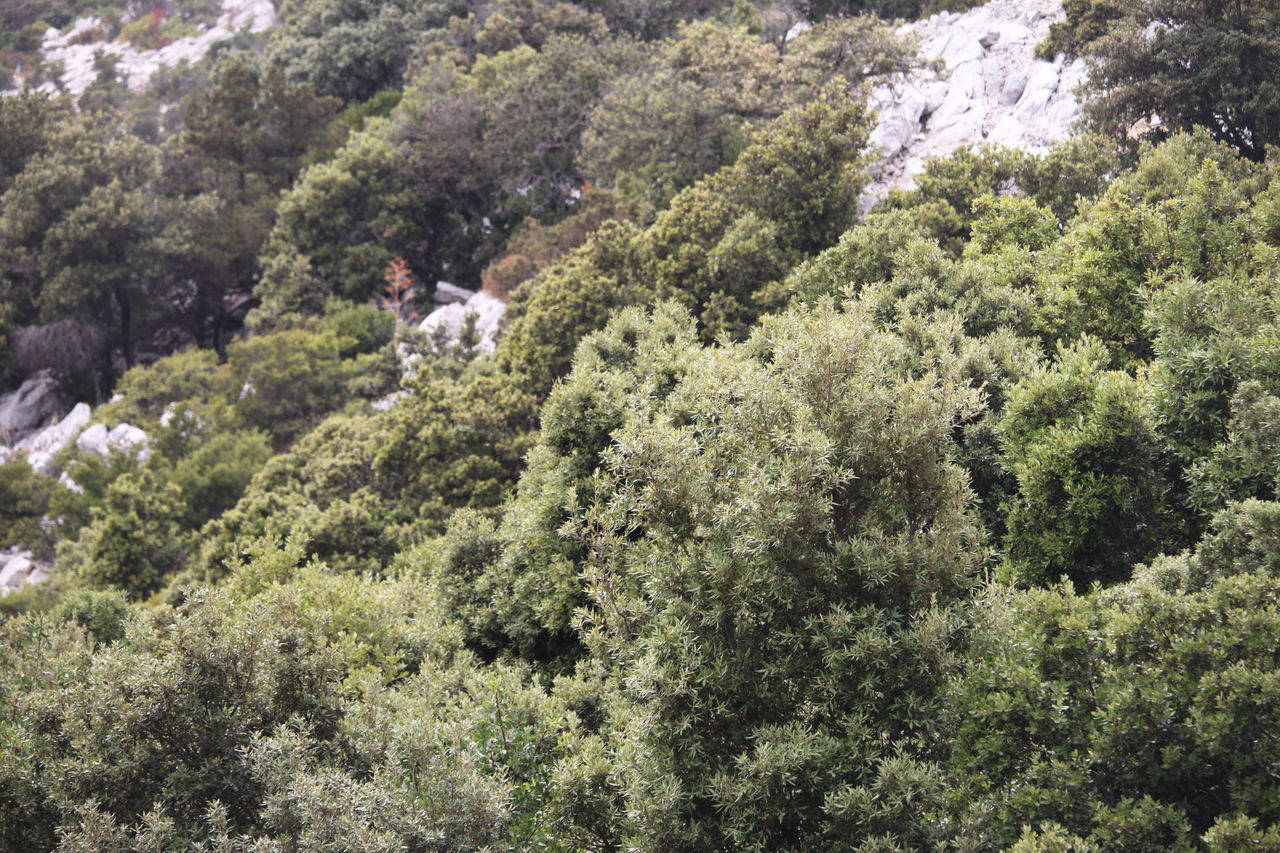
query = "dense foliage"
{"x": 1170, "y": 65}
{"x": 771, "y": 523}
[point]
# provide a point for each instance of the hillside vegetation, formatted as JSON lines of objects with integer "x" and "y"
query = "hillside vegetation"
{"x": 771, "y": 524}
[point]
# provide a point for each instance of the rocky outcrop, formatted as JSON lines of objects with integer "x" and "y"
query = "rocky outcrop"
{"x": 74, "y": 49}
{"x": 102, "y": 442}
{"x": 17, "y": 567}
{"x": 38, "y": 400}
{"x": 457, "y": 307}
{"x": 40, "y": 447}
{"x": 991, "y": 89}
{"x": 448, "y": 293}
{"x": 452, "y": 318}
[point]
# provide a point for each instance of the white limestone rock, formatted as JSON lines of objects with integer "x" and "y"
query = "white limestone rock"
{"x": 448, "y": 293}
{"x": 15, "y": 567}
{"x": 488, "y": 312}
{"x": 390, "y": 400}
{"x": 14, "y": 573}
{"x": 69, "y": 483}
{"x": 18, "y": 567}
{"x": 56, "y": 436}
{"x": 128, "y": 437}
{"x": 136, "y": 66}
{"x": 94, "y": 440}
{"x": 40, "y": 447}
{"x": 101, "y": 441}
{"x": 993, "y": 90}
{"x": 797, "y": 29}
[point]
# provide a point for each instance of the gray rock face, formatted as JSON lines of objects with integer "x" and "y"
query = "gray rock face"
{"x": 448, "y": 293}
{"x": 992, "y": 90}
{"x": 127, "y": 437}
{"x": 448, "y": 321}
{"x": 94, "y": 440}
{"x": 58, "y": 435}
{"x": 39, "y": 448}
{"x": 35, "y": 402}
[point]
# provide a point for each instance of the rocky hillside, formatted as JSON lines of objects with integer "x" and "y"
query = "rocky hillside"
{"x": 981, "y": 84}
{"x": 71, "y": 57}
{"x": 988, "y": 88}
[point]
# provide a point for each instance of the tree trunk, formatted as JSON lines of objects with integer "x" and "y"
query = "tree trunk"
{"x": 219, "y": 337}
{"x": 125, "y": 307}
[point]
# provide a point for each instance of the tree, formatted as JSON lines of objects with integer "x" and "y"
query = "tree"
{"x": 26, "y": 120}
{"x": 1086, "y": 22}
{"x": 84, "y": 233}
{"x": 1129, "y": 718}
{"x": 1171, "y": 65}
{"x": 241, "y": 143}
{"x": 254, "y": 126}
{"x": 789, "y": 195}
{"x": 24, "y": 500}
{"x": 1093, "y": 486}
{"x": 337, "y": 229}
{"x": 774, "y": 544}
{"x": 497, "y": 25}
{"x": 286, "y": 381}
{"x": 133, "y": 543}
{"x": 515, "y": 583}
{"x": 359, "y": 488}
{"x": 461, "y": 160}
{"x": 694, "y": 104}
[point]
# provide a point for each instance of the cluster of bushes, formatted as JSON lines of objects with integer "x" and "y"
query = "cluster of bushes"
{"x": 133, "y": 520}
{"x": 770, "y": 524}
{"x": 960, "y": 535}
{"x": 478, "y": 142}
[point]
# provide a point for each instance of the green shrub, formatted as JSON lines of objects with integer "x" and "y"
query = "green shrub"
{"x": 1128, "y": 718}
{"x": 774, "y": 546}
{"x": 1093, "y": 487}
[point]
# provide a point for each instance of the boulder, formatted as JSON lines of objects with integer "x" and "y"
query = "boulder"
{"x": 18, "y": 567}
{"x": 487, "y": 310}
{"x": 59, "y": 434}
{"x": 94, "y": 440}
{"x": 14, "y": 569}
{"x": 126, "y": 436}
{"x": 448, "y": 293}
{"x": 100, "y": 441}
{"x": 41, "y": 461}
{"x": 53, "y": 438}
{"x": 30, "y": 407}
